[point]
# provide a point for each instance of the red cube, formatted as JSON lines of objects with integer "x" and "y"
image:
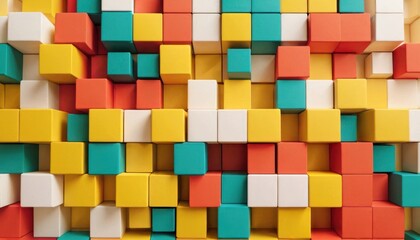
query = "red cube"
{"x": 96, "y": 93}
{"x": 407, "y": 61}
{"x": 293, "y": 62}
{"x": 214, "y": 158}
{"x": 125, "y": 96}
{"x": 15, "y": 221}
{"x": 388, "y": 220}
{"x": 344, "y": 66}
{"x": 177, "y": 28}
{"x": 324, "y": 234}
{"x": 292, "y": 158}
{"x": 380, "y": 187}
{"x": 324, "y": 32}
{"x": 351, "y": 158}
{"x": 261, "y": 158}
{"x": 357, "y": 190}
{"x": 149, "y": 94}
{"x": 67, "y": 98}
{"x": 353, "y": 222}
{"x": 206, "y": 190}
{"x": 99, "y": 66}
{"x": 234, "y": 157}
{"x": 355, "y": 33}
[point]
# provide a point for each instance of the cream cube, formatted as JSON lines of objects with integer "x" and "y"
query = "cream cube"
{"x": 232, "y": 126}
{"x": 41, "y": 189}
{"x": 137, "y": 125}
{"x": 293, "y": 190}
{"x": 202, "y": 126}
{"x": 262, "y": 190}
{"x": 107, "y": 221}
{"x": 39, "y": 94}
{"x": 51, "y": 221}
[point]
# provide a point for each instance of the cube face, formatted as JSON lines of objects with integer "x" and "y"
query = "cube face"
{"x": 190, "y": 158}
{"x": 380, "y": 187}
{"x": 237, "y": 94}
{"x": 325, "y": 189}
{"x": 168, "y": 125}
{"x": 262, "y": 190}
{"x": 402, "y": 94}
{"x": 83, "y": 190}
{"x": 347, "y": 6}
{"x": 345, "y": 226}
{"x": 144, "y": 151}
{"x": 406, "y": 55}
{"x": 261, "y": 158}
{"x": 125, "y": 5}
{"x": 163, "y": 190}
{"x": 294, "y": 223}
{"x": 206, "y": 34}
{"x": 42, "y": 125}
{"x": 264, "y": 125}
{"x": 177, "y": 28}
{"x": 239, "y": 63}
{"x": 350, "y": 94}
{"x": 52, "y": 184}
{"x": 292, "y": 62}
{"x": 163, "y": 219}
{"x": 236, "y": 31}
{"x": 379, "y": 65}
{"x": 348, "y": 128}
{"x": 320, "y": 125}
{"x": 202, "y": 125}
{"x": 191, "y": 222}
{"x": 149, "y": 94}
{"x": 202, "y": 94}
{"x": 292, "y": 158}
{"x": 106, "y": 125}
{"x": 9, "y": 189}
{"x": 76, "y": 235}
{"x": 18, "y": 158}
{"x": 234, "y": 188}
{"x": 357, "y": 185}
{"x": 390, "y": 228}
{"x": 139, "y": 217}
{"x": 271, "y": 6}
{"x": 319, "y": 6}
{"x": 294, "y": 28}
{"x": 122, "y": 39}
{"x": 102, "y": 225}
{"x": 137, "y": 126}
{"x": 77, "y": 127}
{"x": 9, "y": 125}
{"x": 344, "y": 66}
{"x": 15, "y": 221}
{"x": 180, "y": 72}
{"x": 106, "y": 158}
{"x": 148, "y": 66}
{"x": 236, "y": 6}
{"x": 266, "y": 33}
{"x": 351, "y": 158}
{"x": 384, "y": 158}
{"x": 320, "y": 94}
{"x": 101, "y": 98}
{"x": 206, "y": 191}
{"x": 293, "y": 190}
{"x": 148, "y": 37}
{"x": 401, "y": 189}
{"x": 232, "y": 126}
{"x": 120, "y": 67}
{"x": 12, "y": 63}
{"x": 233, "y": 157}
{"x": 44, "y": 94}
{"x": 132, "y": 190}
{"x": 233, "y": 221}
{"x": 68, "y": 158}
{"x": 324, "y": 31}
{"x": 291, "y": 96}
{"x": 262, "y": 68}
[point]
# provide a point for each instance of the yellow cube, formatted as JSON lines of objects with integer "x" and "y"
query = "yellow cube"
{"x": 168, "y": 125}
{"x": 320, "y": 125}
{"x": 136, "y": 235}
{"x": 294, "y": 6}
{"x": 350, "y": 95}
{"x": 325, "y": 189}
{"x": 383, "y": 125}
{"x": 175, "y": 96}
{"x": 263, "y": 234}
{"x": 377, "y": 93}
{"x": 48, "y": 7}
{"x": 148, "y": 27}
{"x": 165, "y": 157}
{"x": 208, "y": 67}
{"x": 42, "y": 125}
{"x": 237, "y": 94}
{"x": 83, "y": 190}
{"x": 321, "y": 217}
{"x": 62, "y": 63}
{"x": 140, "y": 157}
{"x": 290, "y": 127}
{"x": 175, "y": 64}
{"x": 322, "y": 6}
{"x": 318, "y": 156}
{"x": 264, "y": 125}
{"x": 68, "y": 158}
{"x": 80, "y": 218}
{"x": 9, "y": 125}
{"x": 163, "y": 190}
{"x": 132, "y": 190}
{"x": 106, "y": 125}
{"x": 2, "y": 92}
{"x": 263, "y": 218}
{"x": 321, "y": 67}
{"x": 294, "y": 223}
{"x": 139, "y": 217}
{"x": 236, "y": 30}
{"x": 191, "y": 223}
{"x": 12, "y": 96}
{"x": 110, "y": 187}
{"x": 262, "y": 96}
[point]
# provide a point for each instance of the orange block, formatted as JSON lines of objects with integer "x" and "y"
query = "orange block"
{"x": 261, "y": 158}
{"x": 292, "y": 62}
{"x": 206, "y": 190}
{"x": 406, "y": 60}
{"x": 351, "y": 158}
{"x": 344, "y": 66}
{"x": 67, "y": 97}
{"x": 324, "y": 32}
{"x": 177, "y": 6}
{"x": 352, "y": 222}
{"x": 355, "y": 33}
{"x": 380, "y": 187}
{"x": 125, "y": 96}
{"x": 148, "y": 6}
{"x": 388, "y": 220}
{"x": 99, "y": 66}
{"x": 214, "y": 157}
{"x": 149, "y": 94}
{"x": 292, "y": 158}
{"x": 15, "y": 221}
{"x": 324, "y": 234}
{"x": 101, "y": 47}
{"x": 177, "y": 28}
{"x": 234, "y": 157}
{"x": 95, "y": 93}
{"x": 357, "y": 190}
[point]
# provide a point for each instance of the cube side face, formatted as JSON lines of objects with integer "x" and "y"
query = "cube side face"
{"x": 163, "y": 219}
{"x": 264, "y": 125}
{"x": 132, "y": 190}
{"x": 168, "y": 125}
{"x": 384, "y": 158}
{"x": 12, "y": 64}
{"x": 18, "y": 158}
{"x": 233, "y": 221}
{"x": 9, "y": 125}
{"x": 148, "y": 66}
{"x": 163, "y": 190}
{"x": 348, "y": 128}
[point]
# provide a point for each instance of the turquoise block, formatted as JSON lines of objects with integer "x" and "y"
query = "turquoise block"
{"x": 267, "y": 6}
{"x": 117, "y": 31}
{"x": 148, "y": 66}
{"x": 265, "y": 33}
{"x": 121, "y": 67}
{"x": 349, "y": 128}
{"x": 11, "y": 62}
{"x": 73, "y": 235}
{"x": 77, "y": 127}
{"x": 190, "y": 158}
{"x": 163, "y": 219}
{"x": 290, "y": 95}
{"x": 236, "y": 6}
{"x": 18, "y": 158}
{"x": 91, "y": 7}
{"x": 239, "y": 63}
{"x": 106, "y": 158}
{"x": 383, "y": 158}
{"x": 233, "y": 221}
{"x": 351, "y": 6}
{"x": 162, "y": 236}
{"x": 234, "y": 188}
{"x": 411, "y": 235}
{"x": 404, "y": 189}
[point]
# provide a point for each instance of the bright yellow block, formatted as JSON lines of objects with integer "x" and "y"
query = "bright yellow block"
{"x": 175, "y": 64}
{"x": 139, "y": 217}
{"x": 83, "y": 190}
{"x": 237, "y": 94}
{"x": 132, "y": 190}
{"x": 62, "y": 63}
{"x": 350, "y": 95}
{"x": 147, "y": 27}
{"x": 191, "y": 222}
{"x": 110, "y": 187}
{"x": 294, "y": 6}
{"x": 9, "y": 125}
{"x": 208, "y": 67}
{"x": 106, "y": 125}
{"x": 321, "y": 67}
{"x": 383, "y": 125}
{"x": 168, "y": 125}
{"x": 68, "y": 158}
{"x": 325, "y": 189}
{"x": 236, "y": 30}
{"x": 80, "y": 218}
{"x": 42, "y": 125}
{"x": 263, "y": 218}
{"x": 2, "y": 92}
{"x": 320, "y": 125}
{"x": 136, "y": 235}
{"x": 294, "y": 223}
{"x": 175, "y": 96}
{"x": 12, "y": 96}
{"x": 48, "y": 7}
{"x": 290, "y": 127}
{"x": 262, "y": 96}
{"x": 163, "y": 190}
{"x": 318, "y": 156}
{"x": 140, "y": 157}
{"x": 322, "y": 6}
{"x": 264, "y": 234}
{"x": 377, "y": 93}
{"x": 264, "y": 125}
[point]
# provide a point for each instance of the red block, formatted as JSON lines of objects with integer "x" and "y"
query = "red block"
{"x": 214, "y": 158}
{"x": 261, "y": 158}
{"x": 355, "y": 33}
{"x": 324, "y": 234}
{"x": 101, "y": 47}
{"x": 71, "y": 5}
{"x": 292, "y": 158}
{"x": 96, "y": 93}
{"x": 352, "y": 222}
{"x": 407, "y": 61}
{"x": 388, "y": 220}
{"x": 177, "y": 6}
{"x": 149, "y": 94}
{"x": 15, "y": 221}
{"x": 148, "y": 6}
{"x": 125, "y": 96}
{"x": 234, "y": 157}
{"x": 324, "y": 32}
{"x": 99, "y": 66}
{"x": 177, "y": 28}
{"x": 206, "y": 190}
{"x": 380, "y": 187}
{"x": 67, "y": 98}
{"x": 357, "y": 190}
{"x": 344, "y": 66}
{"x": 292, "y": 62}
{"x": 351, "y": 158}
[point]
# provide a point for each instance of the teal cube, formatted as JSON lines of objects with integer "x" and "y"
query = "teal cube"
{"x": 351, "y": 6}
{"x": 290, "y": 95}
{"x": 190, "y": 158}
{"x": 265, "y": 6}
{"x": 74, "y": 235}
{"x": 163, "y": 219}
{"x": 77, "y": 127}
{"x": 411, "y": 235}
{"x": 265, "y": 33}
{"x": 148, "y": 66}
{"x": 18, "y": 158}
{"x": 91, "y": 7}
{"x": 120, "y": 67}
{"x": 106, "y": 158}
{"x": 11, "y": 62}
{"x": 404, "y": 189}
{"x": 383, "y": 158}
{"x": 349, "y": 128}
{"x": 117, "y": 31}
{"x": 233, "y": 221}
{"x": 162, "y": 236}
{"x": 236, "y": 6}
{"x": 234, "y": 188}
{"x": 239, "y": 63}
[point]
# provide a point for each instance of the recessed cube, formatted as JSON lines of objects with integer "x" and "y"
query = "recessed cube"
{"x": 10, "y": 65}
{"x": 236, "y": 6}
{"x": 360, "y": 186}
{"x": 163, "y": 219}
{"x": 290, "y": 96}
{"x": 107, "y": 221}
{"x": 384, "y": 6}
{"x": 233, "y": 221}
{"x": 388, "y": 31}
{"x": 236, "y": 31}
{"x": 291, "y": 157}
{"x": 379, "y": 65}
{"x": 294, "y": 223}
{"x": 262, "y": 190}
{"x": 410, "y": 157}
{"x": 316, "y": 125}
{"x": 94, "y": 93}
{"x": 294, "y": 28}
{"x": 39, "y": 94}
{"x": 148, "y": 66}
{"x": 380, "y": 187}
{"x": 351, "y": 6}
{"x": 125, "y": 96}
{"x": 121, "y": 40}
{"x": 234, "y": 188}
{"x": 292, "y": 190}
{"x": 52, "y": 194}
{"x": 132, "y": 190}
{"x": 264, "y": 125}
{"x": 261, "y": 158}
{"x": 168, "y": 125}
{"x": 202, "y": 125}
{"x": 388, "y": 220}
{"x": 202, "y": 94}
{"x": 232, "y": 126}
{"x": 263, "y": 68}
{"x": 106, "y": 158}
{"x": 186, "y": 217}
{"x": 237, "y": 94}
{"x": 180, "y": 72}
{"x": 190, "y": 158}
{"x": 51, "y": 221}
{"x": 266, "y": 33}
{"x": 9, "y": 189}
{"x": 344, "y": 66}
{"x": 105, "y": 125}
{"x": 149, "y": 94}
{"x": 144, "y": 151}
{"x": 351, "y": 158}
{"x": 15, "y": 221}
{"x": 402, "y": 189}
{"x": 414, "y": 118}
{"x": 359, "y": 218}
{"x": 77, "y": 127}
{"x": 9, "y": 125}
{"x": 292, "y": 62}
{"x": 239, "y": 63}
{"x": 68, "y": 158}
{"x": 137, "y": 126}
{"x": 350, "y": 95}
{"x": 384, "y": 158}
{"x": 206, "y": 190}
{"x": 325, "y": 189}
{"x": 348, "y": 128}
{"x": 163, "y": 190}
{"x": 320, "y": 94}
{"x": 18, "y": 158}
{"x": 83, "y": 190}
{"x": 121, "y": 67}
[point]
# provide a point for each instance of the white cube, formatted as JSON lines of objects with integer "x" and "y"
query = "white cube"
{"x": 402, "y": 94}
{"x": 414, "y": 124}
{"x": 107, "y": 221}
{"x": 27, "y": 30}
{"x": 384, "y": 6}
{"x": 30, "y": 69}
{"x": 39, "y": 94}
{"x": 232, "y": 126}
{"x": 411, "y": 157}
{"x": 137, "y": 125}
{"x": 319, "y": 94}
{"x": 206, "y": 6}
{"x": 262, "y": 190}
{"x": 387, "y": 32}
{"x": 41, "y": 189}
{"x": 294, "y": 28}
{"x": 119, "y": 5}
{"x": 379, "y": 65}
{"x": 9, "y": 189}
{"x": 3, "y": 29}
{"x": 202, "y": 126}
{"x": 51, "y": 221}
{"x": 263, "y": 68}
{"x": 293, "y": 190}
{"x": 202, "y": 94}
{"x": 206, "y": 33}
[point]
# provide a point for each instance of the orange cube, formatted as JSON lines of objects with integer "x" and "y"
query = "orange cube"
{"x": 261, "y": 158}
{"x": 351, "y": 157}
{"x": 67, "y": 98}
{"x": 234, "y": 157}
{"x": 148, "y": 6}
{"x": 206, "y": 190}
{"x": 177, "y": 28}
{"x": 292, "y": 158}
{"x": 15, "y": 221}
{"x": 149, "y": 94}
{"x": 177, "y": 6}
{"x": 357, "y": 190}
{"x": 388, "y": 220}
{"x": 96, "y": 93}
{"x": 99, "y": 66}
{"x": 324, "y": 234}
{"x": 352, "y": 222}
{"x": 344, "y": 66}
{"x": 324, "y": 32}
{"x": 406, "y": 61}
{"x": 355, "y": 33}
{"x": 380, "y": 187}
{"x": 292, "y": 62}
{"x": 125, "y": 96}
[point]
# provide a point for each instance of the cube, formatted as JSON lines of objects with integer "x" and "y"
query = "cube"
{"x": 39, "y": 94}
{"x": 122, "y": 40}
{"x": 378, "y": 94}
{"x": 324, "y": 31}
{"x": 411, "y": 235}
{"x": 384, "y": 6}
{"x": 94, "y": 93}
{"x": 77, "y": 127}
{"x": 291, "y": 158}
{"x": 270, "y": 6}
{"x": 106, "y": 220}
{"x": 148, "y": 30}
{"x": 125, "y": 5}
{"x": 18, "y": 158}
{"x": 202, "y": 125}
{"x": 168, "y": 125}
{"x": 319, "y": 125}
{"x": 206, "y": 33}
{"x": 137, "y": 125}
{"x": 121, "y": 67}
{"x": 388, "y": 32}
{"x": 294, "y": 6}
{"x": 203, "y": 6}
{"x": 261, "y": 158}
{"x": 234, "y": 188}
{"x": 132, "y": 190}
{"x": 190, "y": 158}
{"x": 321, "y": 66}
{"x": 360, "y": 186}
{"x": 291, "y": 95}
{"x": 325, "y": 189}
{"x": 264, "y": 125}
{"x": 163, "y": 219}
{"x": 144, "y": 151}
{"x": 355, "y": 33}
{"x": 234, "y": 157}
{"x": 388, "y": 220}
{"x": 206, "y": 190}
{"x": 402, "y": 94}
{"x": 208, "y": 67}
{"x": 214, "y": 157}
{"x": 52, "y": 196}
{"x": 51, "y": 221}
{"x": 348, "y": 128}
{"x": 320, "y": 94}
{"x": 125, "y": 96}
{"x": 11, "y": 64}
{"x": 148, "y": 65}
{"x": 233, "y": 221}
{"x": 191, "y": 222}
{"x": 202, "y": 94}
{"x": 380, "y": 187}
{"x": 262, "y": 68}
{"x": 173, "y": 6}
{"x": 42, "y": 125}
{"x": 266, "y": 33}
{"x": 294, "y": 28}
{"x": 351, "y": 158}
{"x": 294, "y": 223}
{"x": 93, "y": 8}
{"x": 232, "y": 126}
{"x": 405, "y": 61}
{"x": 292, "y": 62}
{"x": 9, "y": 125}
{"x": 352, "y": 222}
{"x": 106, "y": 125}
{"x": 68, "y": 158}
{"x": 318, "y": 234}
{"x": 319, "y": 6}
{"x": 15, "y": 221}
{"x": 106, "y": 158}
{"x": 237, "y": 94}
{"x": 239, "y": 63}
{"x": 292, "y": 190}
{"x": 236, "y": 30}
{"x": 83, "y": 190}
{"x": 177, "y": 28}
{"x": 350, "y": 95}
{"x": 348, "y": 6}
{"x": 384, "y": 158}
{"x": 67, "y": 98}
{"x": 402, "y": 189}
{"x": 262, "y": 190}
{"x": 75, "y": 235}
{"x": 379, "y": 65}
{"x": 149, "y": 94}
{"x": 236, "y": 6}
{"x": 10, "y": 189}
{"x": 163, "y": 189}
{"x": 344, "y": 66}
{"x": 139, "y": 217}
{"x": 182, "y": 71}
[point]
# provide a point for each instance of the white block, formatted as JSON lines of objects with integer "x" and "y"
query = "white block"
{"x": 51, "y": 221}
{"x": 206, "y": 33}
{"x": 202, "y": 126}
{"x": 206, "y": 6}
{"x": 232, "y": 126}
{"x": 3, "y": 29}
{"x": 294, "y": 29}
{"x": 262, "y": 190}
{"x": 137, "y": 125}
{"x": 387, "y": 32}
{"x": 31, "y": 67}
{"x": 9, "y": 189}
{"x": 41, "y": 189}
{"x": 27, "y": 30}
{"x": 402, "y": 94}
{"x": 39, "y": 94}
{"x": 107, "y": 221}
{"x": 44, "y": 157}
{"x": 379, "y": 65}
{"x": 384, "y": 6}
{"x": 319, "y": 94}
{"x": 414, "y": 124}
{"x": 293, "y": 190}
{"x": 118, "y": 5}
{"x": 263, "y": 68}
{"x": 202, "y": 94}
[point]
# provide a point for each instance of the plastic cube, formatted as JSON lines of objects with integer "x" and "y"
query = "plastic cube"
{"x": 325, "y": 189}
{"x": 121, "y": 40}
{"x": 163, "y": 219}
{"x": 239, "y": 63}
{"x": 264, "y": 125}
{"x": 266, "y": 33}
{"x": 294, "y": 223}
{"x": 236, "y": 31}
{"x": 18, "y": 158}
{"x": 348, "y": 128}
{"x": 42, "y": 125}
{"x": 11, "y": 64}
{"x": 292, "y": 62}
{"x": 68, "y": 158}
{"x": 15, "y": 221}
{"x": 190, "y": 158}
{"x": 292, "y": 157}
{"x": 106, "y": 125}
{"x": 237, "y": 94}
{"x": 320, "y": 125}
{"x": 148, "y": 31}
{"x": 234, "y": 188}
{"x": 83, "y": 190}
{"x": 121, "y": 67}
{"x": 163, "y": 190}
{"x": 292, "y": 190}
{"x": 402, "y": 189}
{"x": 77, "y": 127}
{"x": 52, "y": 196}
{"x": 290, "y": 96}
{"x": 9, "y": 125}
{"x": 206, "y": 190}
{"x": 178, "y": 73}
{"x": 350, "y": 95}
{"x": 106, "y": 158}
{"x": 191, "y": 222}
{"x": 384, "y": 158}
{"x": 233, "y": 221}
{"x": 261, "y": 158}
{"x": 148, "y": 66}
{"x": 360, "y": 186}
{"x": 168, "y": 125}
{"x": 351, "y": 158}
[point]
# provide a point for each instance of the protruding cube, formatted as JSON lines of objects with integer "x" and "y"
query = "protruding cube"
{"x": 148, "y": 30}
{"x": 388, "y": 31}
{"x": 266, "y": 33}
{"x": 42, "y": 125}
{"x": 149, "y": 94}
{"x": 388, "y": 220}
{"x": 384, "y": 158}
{"x": 292, "y": 158}
{"x": 191, "y": 222}
{"x": 106, "y": 220}
{"x": 106, "y": 125}
{"x": 325, "y": 189}
{"x": 121, "y": 40}
{"x": 15, "y": 221}
{"x": 357, "y": 190}
{"x": 352, "y": 222}
{"x": 264, "y": 125}
{"x": 18, "y": 158}
{"x": 51, "y": 221}
{"x": 293, "y": 190}
{"x": 68, "y": 158}
{"x": 121, "y": 67}
{"x": 324, "y": 31}
{"x": 132, "y": 190}
{"x": 11, "y": 64}
{"x": 168, "y": 125}
{"x": 206, "y": 35}
{"x": 351, "y": 158}
{"x": 94, "y": 93}
{"x": 402, "y": 189}
{"x": 405, "y": 59}
{"x": 234, "y": 188}
{"x": 180, "y": 72}
{"x": 202, "y": 94}
{"x": 52, "y": 194}
{"x": 294, "y": 28}
{"x": 292, "y": 62}
{"x": 233, "y": 221}
{"x": 290, "y": 95}
{"x": 320, "y": 125}
{"x": 202, "y": 125}
{"x": 9, "y": 125}
{"x": 319, "y": 94}
{"x": 350, "y": 95}
{"x": 39, "y": 94}
{"x": 206, "y": 190}
{"x": 237, "y": 94}
{"x": 236, "y": 31}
